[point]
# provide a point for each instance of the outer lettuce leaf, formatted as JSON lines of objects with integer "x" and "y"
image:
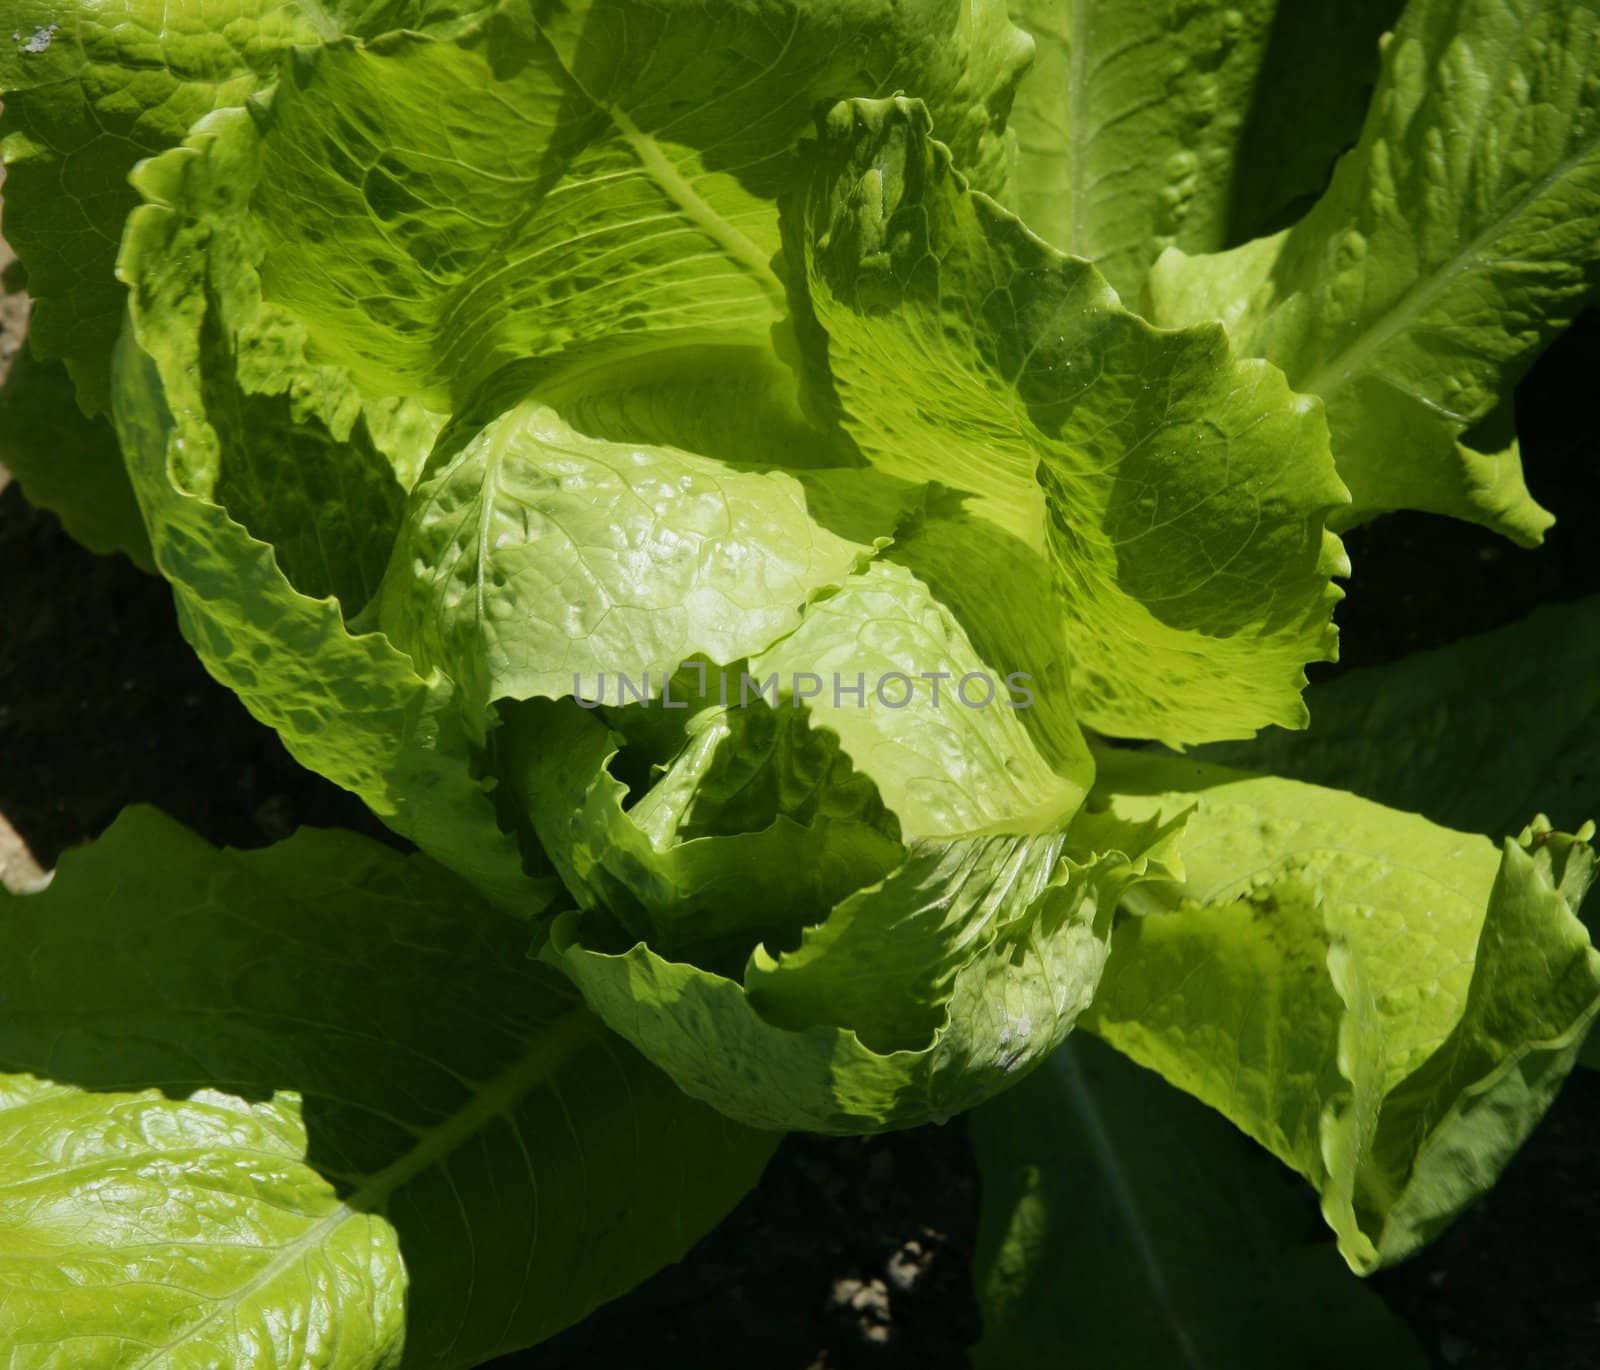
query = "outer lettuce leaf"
{"x": 67, "y": 463}
{"x": 1177, "y": 494}
{"x": 90, "y": 89}
{"x": 1142, "y": 127}
{"x": 1127, "y": 126}
{"x": 1310, "y": 98}
{"x": 583, "y": 190}
{"x": 1385, "y": 1005}
{"x": 1124, "y": 1226}
{"x": 956, "y": 997}
{"x": 1454, "y": 243}
{"x": 347, "y": 704}
{"x": 1476, "y": 735}
{"x": 314, "y": 1105}
{"x": 1429, "y": 734}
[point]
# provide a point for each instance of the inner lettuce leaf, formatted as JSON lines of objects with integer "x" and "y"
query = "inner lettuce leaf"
{"x": 1386, "y": 1005}
{"x": 695, "y": 889}
{"x": 1455, "y": 241}
{"x": 888, "y": 763}
{"x": 829, "y": 942}
{"x": 947, "y": 762}
{"x": 1006, "y": 935}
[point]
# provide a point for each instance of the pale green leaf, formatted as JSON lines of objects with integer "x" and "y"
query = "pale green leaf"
{"x": 948, "y": 550}
{"x": 936, "y": 727}
{"x": 725, "y": 848}
{"x": 878, "y": 705}
{"x": 1386, "y": 1005}
{"x": 533, "y": 559}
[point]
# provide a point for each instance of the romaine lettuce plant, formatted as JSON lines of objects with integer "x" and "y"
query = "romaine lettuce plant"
{"x": 727, "y": 481}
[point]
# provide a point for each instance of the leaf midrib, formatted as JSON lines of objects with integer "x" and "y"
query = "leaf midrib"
{"x": 551, "y": 1049}
{"x": 741, "y": 250}
{"x": 1077, "y": 125}
{"x": 1064, "y": 1061}
{"x": 1330, "y": 377}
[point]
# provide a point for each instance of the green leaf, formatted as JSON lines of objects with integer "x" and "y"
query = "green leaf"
{"x": 67, "y": 463}
{"x": 1454, "y": 243}
{"x": 1386, "y": 1005}
{"x": 1127, "y": 126}
{"x": 1176, "y": 494}
{"x": 581, "y": 189}
{"x": 703, "y": 864}
{"x": 948, "y": 761}
{"x": 1124, "y": 1226}
{"x": 943, "y": 548}
{"x": 533, "y": 559}
{"x": 89, "y": 90}
{"x": 995, "y": 978}
{"x": 314, "y": 1105}
{"x": 1310, "y": 97}
{"x": 1143, "y": 126}
{"x": 347, "y": 705}
{"x": 1476, "y": 735}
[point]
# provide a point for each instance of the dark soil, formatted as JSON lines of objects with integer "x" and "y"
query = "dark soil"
{"x": 102, "y": 704}
{"x": 1515, "y": 1283}
{"x": 850, "y": 1252}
